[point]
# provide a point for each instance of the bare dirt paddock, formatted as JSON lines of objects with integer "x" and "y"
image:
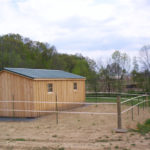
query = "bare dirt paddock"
{"x": 75, "y": 132}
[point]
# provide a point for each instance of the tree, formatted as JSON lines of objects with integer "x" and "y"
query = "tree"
{"x": 114, "y": 72}
{"x": 145, "y": 57}
{"x": 18, "y": 51}
{"x": 121, "y": 62}
{"x": 145, "y": 63}
{"x": 135, "y": 64}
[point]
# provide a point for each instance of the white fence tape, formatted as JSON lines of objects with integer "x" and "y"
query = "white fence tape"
{"x": 54, "y": 102}
{"x": 71, "y": 112}
{"x": 133, "y": 98}
{"x": 105, "y": 97}
{"x": 110, "y": 93}
{"x": 134, "y": 106}
{"x": 64, "y": 112}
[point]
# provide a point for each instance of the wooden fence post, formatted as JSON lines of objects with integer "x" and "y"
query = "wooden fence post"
{"x": 119, "y": 119}
{"x": 119, "y": 113}
{"x": 56, "y": 111}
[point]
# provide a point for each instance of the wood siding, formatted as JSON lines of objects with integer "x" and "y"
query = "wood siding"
{"x": 15, "y": 88}
{"x": 63, "y": 89}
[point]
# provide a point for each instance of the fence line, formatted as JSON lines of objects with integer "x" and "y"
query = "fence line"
{"x": 118, "y": 103}
{"x": 119, "y": 112}
{"x": 126, "y": 110}
{"x": 66, "y": 112}
{"x": 133, "y": 98}
{"x": 111, "y": 93}
{"x": 45, "y": 102}
{"x": 104, "y": 97}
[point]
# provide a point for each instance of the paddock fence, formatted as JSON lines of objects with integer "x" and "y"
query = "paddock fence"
{"x": 118, "y": 99}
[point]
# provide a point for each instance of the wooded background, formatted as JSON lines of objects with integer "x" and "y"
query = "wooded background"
{"x": 118, "y": 73}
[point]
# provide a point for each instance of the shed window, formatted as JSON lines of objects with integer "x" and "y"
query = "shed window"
{"x": 75, "y": 86}
{"x": 50, "y": 87}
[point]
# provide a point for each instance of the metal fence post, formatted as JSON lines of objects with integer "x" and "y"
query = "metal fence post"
{"x": 147, "y": 100}
{"x": 143, "y": 102}
{"x": 138, "y": 107}
{"x": 132, "y": 109}
{"x": 56, "y": 111}
{"x": 13, "y": 105}
{"x": 96, "y": 97}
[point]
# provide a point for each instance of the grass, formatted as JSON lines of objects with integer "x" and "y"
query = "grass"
{"x": 114, "y": 100}
{"x": 18, "y": 139}
{"x": 133, "y": 144}
{"x": 143, "y": 128}
{"x": 101, "y": 99}
{"x": 116, "y": 147}
{"x": 107, "y": 140}
{"x": 102, "y": 140}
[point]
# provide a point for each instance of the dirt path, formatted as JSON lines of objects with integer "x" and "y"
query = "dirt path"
{"x": 75, "y": 132}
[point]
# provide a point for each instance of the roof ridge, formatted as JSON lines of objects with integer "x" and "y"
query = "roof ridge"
{"x": 33, "y": 68}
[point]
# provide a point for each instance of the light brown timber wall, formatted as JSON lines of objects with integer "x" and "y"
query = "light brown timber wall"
{"x": 15, "y": 87}
{"x": 64, "y": 90}
{"x": 20, "y": 88}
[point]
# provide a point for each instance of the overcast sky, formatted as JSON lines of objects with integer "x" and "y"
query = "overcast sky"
{"x": 94, "y": 28}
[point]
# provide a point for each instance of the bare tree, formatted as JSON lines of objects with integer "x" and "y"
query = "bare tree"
{"x": 113, "y": 73}
{"x": 145, "y": 63}
{"x": 135, "y": 64}
{"x": 121, "y": 63}
{"x": 145, "y": 57}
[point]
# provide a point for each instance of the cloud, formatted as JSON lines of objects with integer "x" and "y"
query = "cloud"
{"x": 91, "y": 27}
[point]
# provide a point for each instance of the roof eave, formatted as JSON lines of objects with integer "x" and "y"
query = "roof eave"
{"x": 17, "y": 73}
{"x": 59, "y": 79}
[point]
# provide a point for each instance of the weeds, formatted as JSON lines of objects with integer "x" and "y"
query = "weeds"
{"x": 143, "y": 128}
{"x": 116, "y": 147}
{"x": 54, "y": 135}
{"x": 101, "y": 140}
{"x": 133, "y": 144}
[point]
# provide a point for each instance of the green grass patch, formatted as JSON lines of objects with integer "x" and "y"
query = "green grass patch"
{"x": 18, "y": 139}
{"x": 114, "y": 100}
{"x": 102, "y": 140}
{"x": 101, "y": 99}
{"x": 143, "y": 128}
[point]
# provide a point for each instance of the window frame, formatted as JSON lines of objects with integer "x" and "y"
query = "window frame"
{"x": 75, "y": 86}
{"x": 50, "y": 87}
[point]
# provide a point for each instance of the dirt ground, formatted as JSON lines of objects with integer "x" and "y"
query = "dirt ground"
{"x": 75, "y": 131}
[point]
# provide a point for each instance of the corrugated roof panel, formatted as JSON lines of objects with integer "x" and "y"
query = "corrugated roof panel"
{"x": 43, "y": 73}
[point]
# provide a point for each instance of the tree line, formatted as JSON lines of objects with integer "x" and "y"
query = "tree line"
{"x": 113, "y": 75}
{"x": 18, "y": 51}
{"x": 123, "y": 74}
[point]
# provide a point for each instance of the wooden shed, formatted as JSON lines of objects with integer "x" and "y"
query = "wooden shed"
{"x": 24, "y": 91}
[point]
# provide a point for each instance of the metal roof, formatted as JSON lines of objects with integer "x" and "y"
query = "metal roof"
{"x": 43, "y": 73}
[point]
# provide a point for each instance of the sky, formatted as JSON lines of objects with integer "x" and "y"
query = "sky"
{"x": 94, "y": 28}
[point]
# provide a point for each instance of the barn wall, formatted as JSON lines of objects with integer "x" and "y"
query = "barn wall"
{"x": 64, "y": 90}
{"x": 21, "y": 88}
